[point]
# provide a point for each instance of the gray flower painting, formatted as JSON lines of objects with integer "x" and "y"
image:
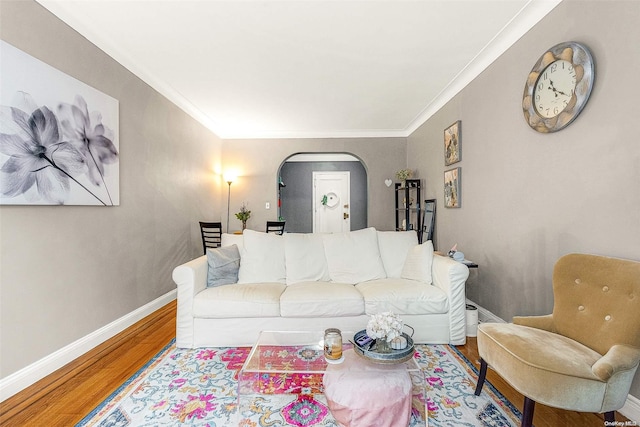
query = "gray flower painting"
{"x": 58, "y": 152}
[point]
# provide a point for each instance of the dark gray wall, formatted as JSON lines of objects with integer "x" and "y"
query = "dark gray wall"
{"x": 297, "y": 201}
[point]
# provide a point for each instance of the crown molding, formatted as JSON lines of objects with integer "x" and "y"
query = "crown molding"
{"x": 530, "y": 14}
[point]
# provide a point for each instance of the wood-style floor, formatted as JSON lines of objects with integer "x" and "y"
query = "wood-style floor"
{"x": 66, "y": 396}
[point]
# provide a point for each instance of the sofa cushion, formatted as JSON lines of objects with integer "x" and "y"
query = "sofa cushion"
{"x": 418, "y": 264}
{"x": 353, "y": 257}
{"x": 232, "y": 239}
{"x": 304, "y": 258}
{"x": 321, "y": 299}
{"x": 223, "y": 264}
{"x": 402, "y": 296}
{"x": 262, "y": 258}
{"x": 239, "y": 300}
{"x": 394, "y": 246}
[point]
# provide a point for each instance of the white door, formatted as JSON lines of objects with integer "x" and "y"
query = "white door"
{"x": 331, "y": 209}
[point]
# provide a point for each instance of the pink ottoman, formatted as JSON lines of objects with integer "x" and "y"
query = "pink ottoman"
{"x": 363, "y": 394}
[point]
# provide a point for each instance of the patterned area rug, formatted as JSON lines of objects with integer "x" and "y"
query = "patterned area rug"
{"x": 198, "y": 387}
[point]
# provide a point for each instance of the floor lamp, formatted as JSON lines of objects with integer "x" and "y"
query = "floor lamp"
{"x": 229, "y": 181}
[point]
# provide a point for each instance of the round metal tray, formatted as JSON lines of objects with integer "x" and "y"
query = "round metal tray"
{"x": 394, "y": 357}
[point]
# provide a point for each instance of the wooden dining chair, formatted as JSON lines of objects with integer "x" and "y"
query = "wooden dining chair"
{"x": 211, "y": 235}
{"x": 276, "y": 227}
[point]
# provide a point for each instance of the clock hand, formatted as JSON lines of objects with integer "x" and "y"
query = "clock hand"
{"x": 556, "y": 91}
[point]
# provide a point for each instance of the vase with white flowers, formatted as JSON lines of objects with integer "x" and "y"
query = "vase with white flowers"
{"x": 384, "y": 327}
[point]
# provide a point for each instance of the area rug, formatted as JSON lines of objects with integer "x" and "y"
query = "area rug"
{"x": 198, "y": 387}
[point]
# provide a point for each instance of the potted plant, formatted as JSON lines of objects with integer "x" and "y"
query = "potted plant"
{"x": 403, "y": 175}
{"x": 244, "y": 215}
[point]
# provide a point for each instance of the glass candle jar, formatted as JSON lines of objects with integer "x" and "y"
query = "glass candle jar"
{"x": 332, "y": 344}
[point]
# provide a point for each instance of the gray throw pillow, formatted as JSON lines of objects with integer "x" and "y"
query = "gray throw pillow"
{"x": 223, "y": 266}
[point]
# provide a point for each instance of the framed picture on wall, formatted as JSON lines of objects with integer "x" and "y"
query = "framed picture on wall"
{"x": 452, "y": 142}
{"x": 452, "y": 188}
{"x": 58, "y": 136}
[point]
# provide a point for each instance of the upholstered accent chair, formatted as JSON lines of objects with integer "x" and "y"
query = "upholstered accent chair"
{"x": 584, "y": 355}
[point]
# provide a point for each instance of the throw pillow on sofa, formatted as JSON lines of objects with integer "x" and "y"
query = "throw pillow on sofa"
{"x": 262, "y": 258}
{"x": 418, "y": 263}
{"x": 304, "y": 258}
{"x": 232, "y": 239}
{"x": 353, "y": 257}
{"x": 223, "y": 266}
{"x": 394, "y": 247}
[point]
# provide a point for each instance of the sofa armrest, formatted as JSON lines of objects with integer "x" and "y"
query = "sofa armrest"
{"x": 619, "y": 358}
{"x": 451, "y": 276}
{"x": 190, "y": 278}
{"x": 539, "y": 322}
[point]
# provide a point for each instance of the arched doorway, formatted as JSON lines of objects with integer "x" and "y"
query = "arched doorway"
{"x": 296, "y": 203}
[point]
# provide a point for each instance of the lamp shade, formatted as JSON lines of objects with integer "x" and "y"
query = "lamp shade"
{"x": 230, "y": 176}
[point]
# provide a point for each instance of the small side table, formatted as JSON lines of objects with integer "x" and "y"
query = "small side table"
{"x": 471, "y": 315}
{"x": 469, "y": 264}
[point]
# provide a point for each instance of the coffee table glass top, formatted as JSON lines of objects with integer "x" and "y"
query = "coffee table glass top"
{"x": 300, "y": 352}
{"x": 284, "y": 372}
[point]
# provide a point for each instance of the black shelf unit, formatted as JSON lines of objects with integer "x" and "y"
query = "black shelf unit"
{"x": 408, "y": 207}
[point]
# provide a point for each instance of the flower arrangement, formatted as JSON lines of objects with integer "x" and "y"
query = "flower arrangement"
{"x": 386, "y": 326}
{"x": 244, "y": 215}
{"x": 404, "y": 174}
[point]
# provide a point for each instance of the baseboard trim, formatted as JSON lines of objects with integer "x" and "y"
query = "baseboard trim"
{"x": 485, "y": 315}
{"x": 28, "y": 375}
{"x": 631, "y": 408}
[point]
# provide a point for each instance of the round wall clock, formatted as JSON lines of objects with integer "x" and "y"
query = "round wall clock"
{"x": 558, "y": 87}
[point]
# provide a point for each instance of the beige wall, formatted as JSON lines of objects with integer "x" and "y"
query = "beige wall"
{"x": 529, "y": 198}
{"x": 257, "y": 163}
{"x": 67, "y": 271}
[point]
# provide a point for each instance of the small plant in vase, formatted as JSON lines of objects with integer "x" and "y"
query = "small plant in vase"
{"x": 403, "y": 175}
{"x": 244, "y": 215}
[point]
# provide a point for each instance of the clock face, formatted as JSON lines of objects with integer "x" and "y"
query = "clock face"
{"x": 558, "y": 87}
{"x": 554, "y": 88}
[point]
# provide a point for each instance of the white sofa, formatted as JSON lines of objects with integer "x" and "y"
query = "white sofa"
{"x": 317, "y": 281}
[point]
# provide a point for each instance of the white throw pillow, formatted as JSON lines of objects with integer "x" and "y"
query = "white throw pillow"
{"x": 232, "y": 239}
{"x": 353, "y": 257}
{"x": 418, "y": 263}
{"x": 304, "y": 258}
{"x": 394, "y": 247}
{"x": 262, "y": 258}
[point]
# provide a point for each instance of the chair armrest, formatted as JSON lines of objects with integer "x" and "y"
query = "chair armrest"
{"x": 451, "y": 276}
{"x": 539, "y": 322}
{"x": 190, "y": 278}
{"x": 620, "y": 357}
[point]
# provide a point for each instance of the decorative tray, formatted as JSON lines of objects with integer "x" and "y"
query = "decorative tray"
{"x": 368, "y": 351}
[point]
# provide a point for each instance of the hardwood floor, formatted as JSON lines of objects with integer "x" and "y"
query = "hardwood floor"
{"x": 66, "y": 396}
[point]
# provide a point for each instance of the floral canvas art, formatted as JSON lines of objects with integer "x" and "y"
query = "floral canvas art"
{"x": 58, "y": 136}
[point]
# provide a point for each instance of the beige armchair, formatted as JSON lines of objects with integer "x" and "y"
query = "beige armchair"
{"x": 583, "y": 357}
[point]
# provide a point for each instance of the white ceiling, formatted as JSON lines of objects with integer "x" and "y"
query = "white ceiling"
{"x": 305, "y": 68}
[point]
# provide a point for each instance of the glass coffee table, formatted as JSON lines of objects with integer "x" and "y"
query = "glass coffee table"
{"x": 281, "y": 383}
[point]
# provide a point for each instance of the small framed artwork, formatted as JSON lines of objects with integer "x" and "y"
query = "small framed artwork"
{"x": 452, "y": 153}
{"x": 452, "y": 188}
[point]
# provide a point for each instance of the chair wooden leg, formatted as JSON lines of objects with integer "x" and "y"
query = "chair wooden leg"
{"x": 610, "y": 416}
{"x": 527, "y": 412}
{"x": 481, "y": 376}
